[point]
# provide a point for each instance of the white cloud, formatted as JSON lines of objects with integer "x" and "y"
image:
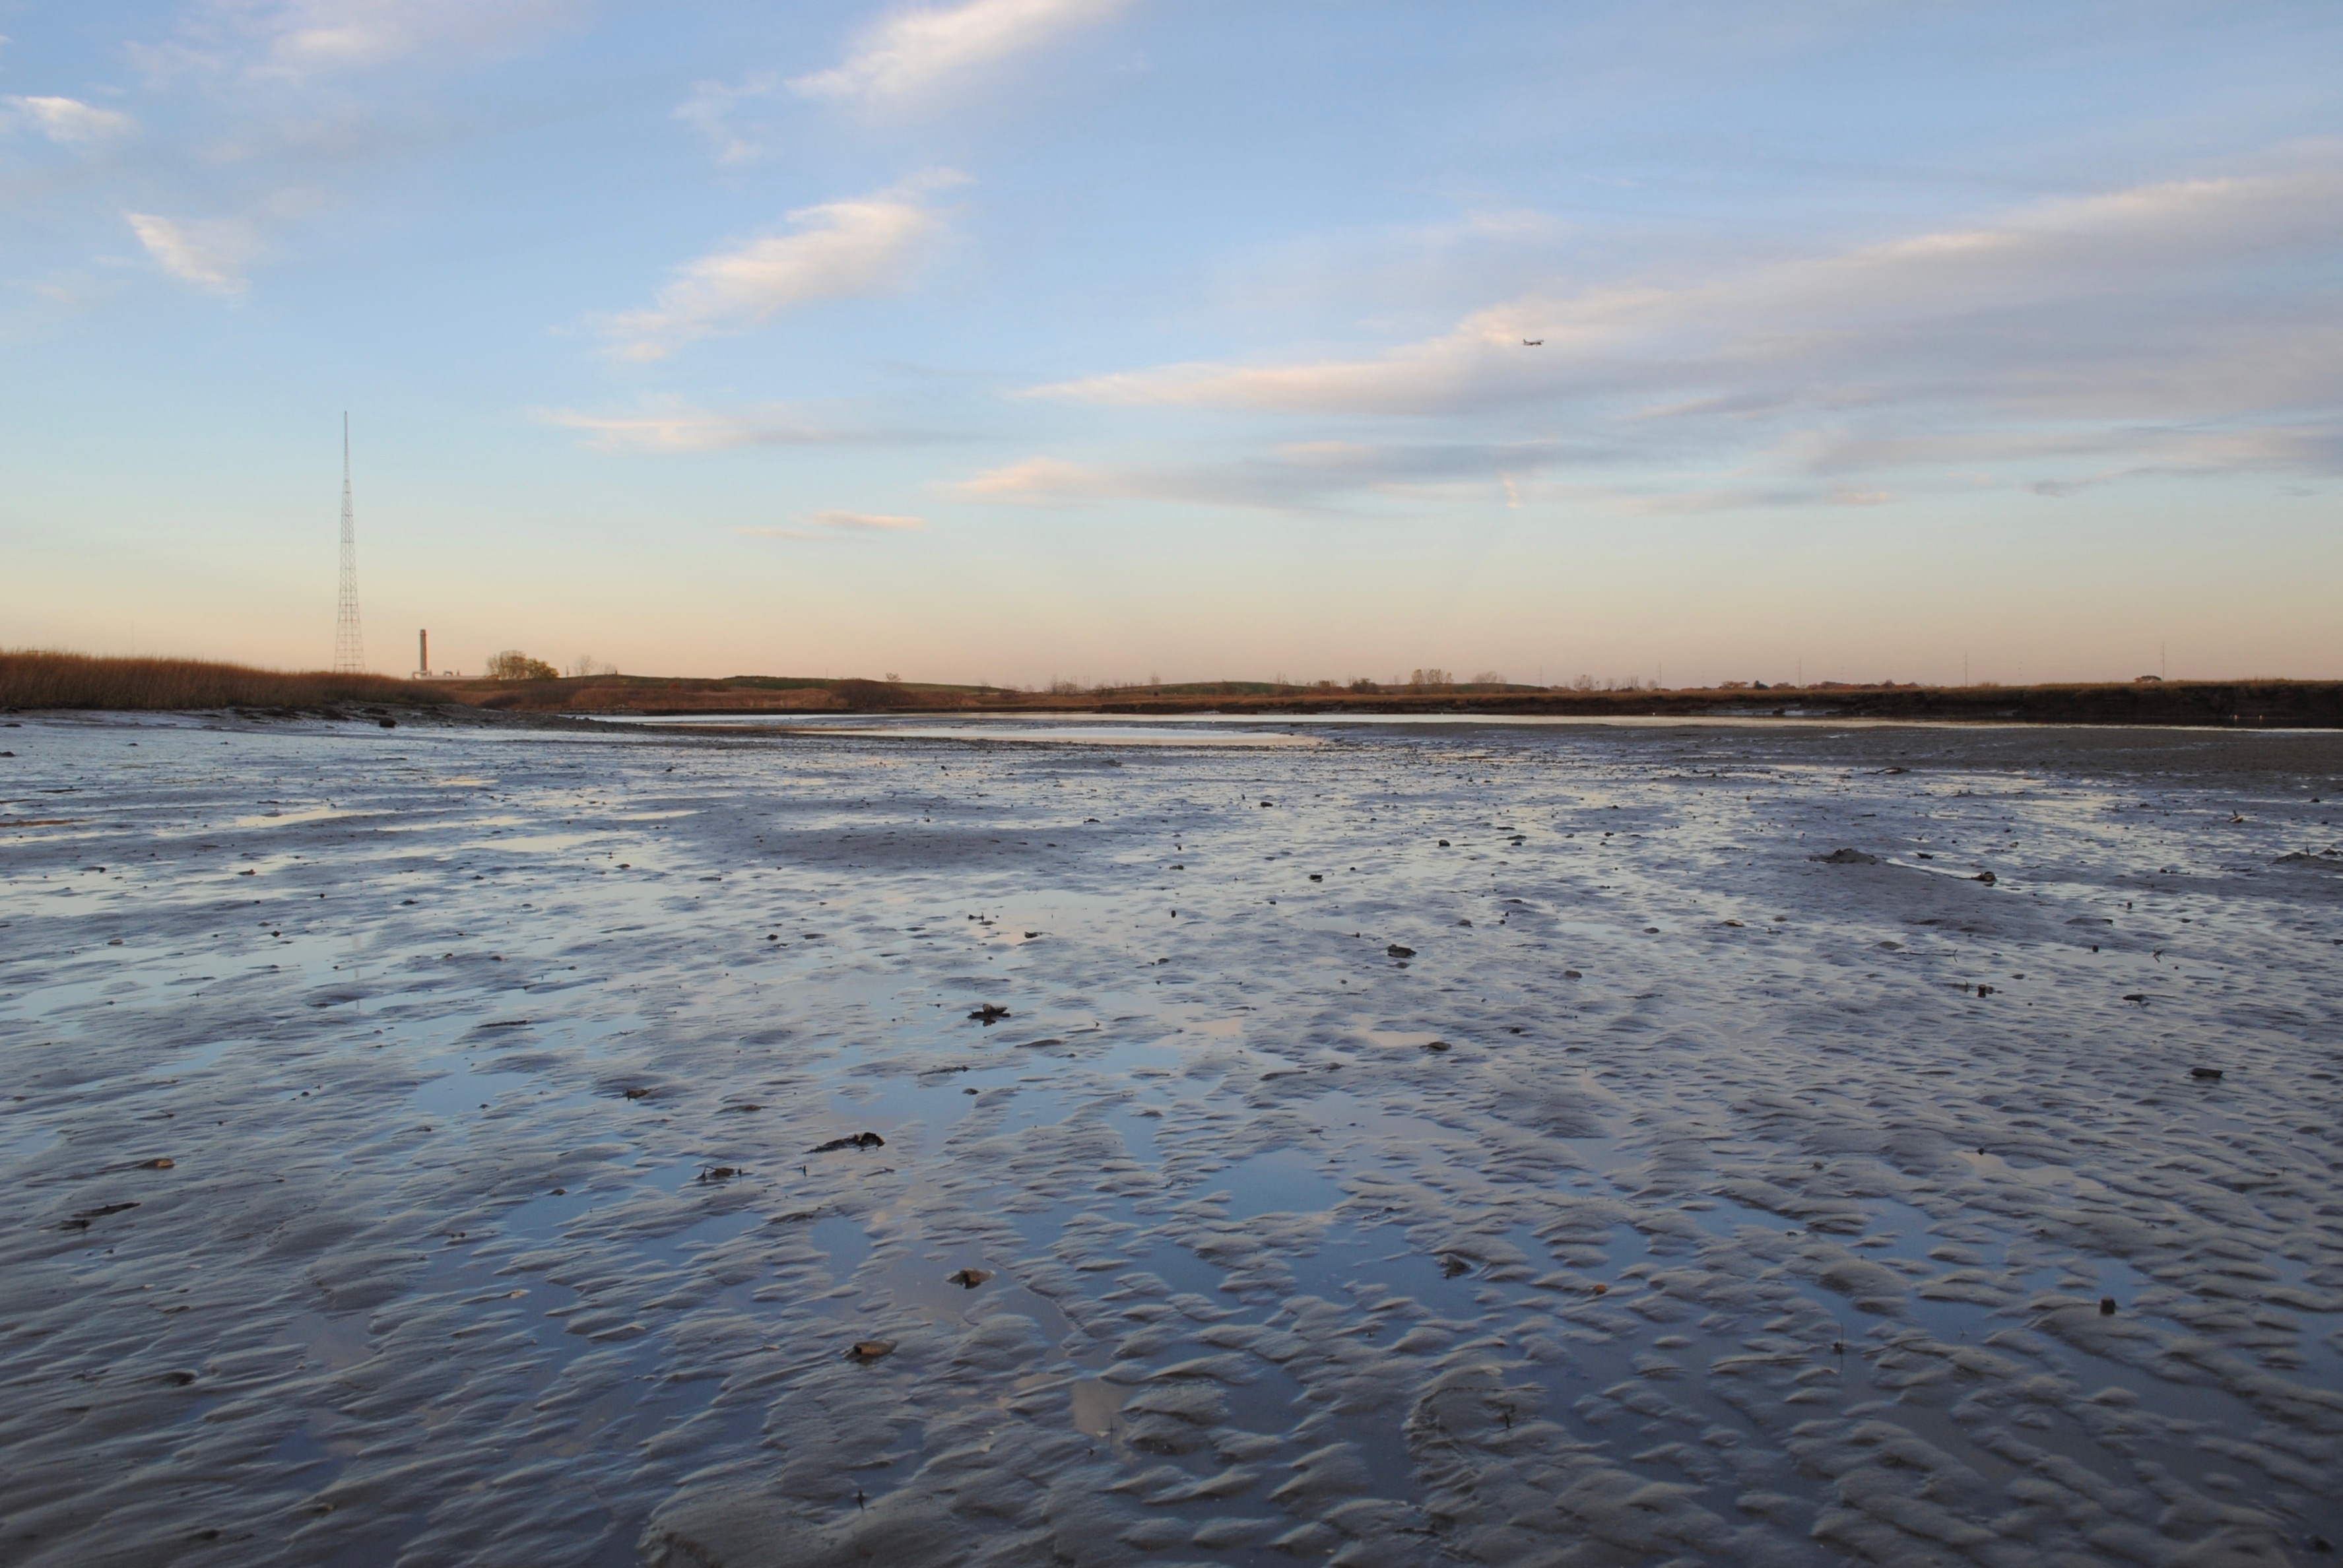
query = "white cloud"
{"x": 211, "y": 255}
{"x": 838, "y": 250}
{"x": 677, "y": 427}
{"x": 913, "y": 52}
{"x": 70, "y": 122}
{"x": 712, "y": 111}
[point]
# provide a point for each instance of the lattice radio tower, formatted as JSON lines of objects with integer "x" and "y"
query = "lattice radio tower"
{"x": 349, "y": 652}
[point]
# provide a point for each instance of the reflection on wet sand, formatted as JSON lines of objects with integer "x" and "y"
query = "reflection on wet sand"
{"x": 484, "y": 1176}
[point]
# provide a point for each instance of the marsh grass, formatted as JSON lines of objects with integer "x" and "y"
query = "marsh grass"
{"x": 34, "y": 679}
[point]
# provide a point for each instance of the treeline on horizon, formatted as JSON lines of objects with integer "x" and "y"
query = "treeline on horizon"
{"x": 42, "y": 679}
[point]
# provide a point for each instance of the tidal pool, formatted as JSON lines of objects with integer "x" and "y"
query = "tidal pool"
{"x": 1432, "y": 1144}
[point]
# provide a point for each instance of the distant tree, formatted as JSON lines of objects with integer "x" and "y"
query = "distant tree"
{"x": 1364, "y": 683}
{"x": 1489, "y": 678}
{"x": 1423, "y": 679}
{"x": 512, "y": 664}
{"x": 586, "y": 664}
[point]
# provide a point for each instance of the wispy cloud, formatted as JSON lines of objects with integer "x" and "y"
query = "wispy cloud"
{"x": 69, "y": 122}
{"x": 1297, "y": 477}
{"x": 838, "y": 250}
{"x": 211, "y": 255}
{"x": 2138, "y": 301}
{"x": 307, "y": 38}
{"x": 914, "y": 52}
{"x": 878, "y": 522}
{"x": 665, "y": 428}
{"x": 822, "y": 525}
{"x": 2190, "y": 327}
{"x": 714, "y": 111}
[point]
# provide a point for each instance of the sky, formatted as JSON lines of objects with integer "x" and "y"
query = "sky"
{"x": 1107, "y": 340}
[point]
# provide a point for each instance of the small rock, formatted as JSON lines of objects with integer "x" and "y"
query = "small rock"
{"x": 1987, "y": 878}
{"x": 1437, "y": 1045}
{"x": 1443, "y": 843}
{"x": 869, "y": 1349}
{"x": 969, "y": 1278}
{"x": 2106, "y": 1306}
{"x": 2212, "y": 1074}
{"x": 1846, "y": 857}
{"x": 717, "y": 1173}
{"x": 1397, "y": 951}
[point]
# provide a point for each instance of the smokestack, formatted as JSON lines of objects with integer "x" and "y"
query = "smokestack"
{"x": 423, "y": 653}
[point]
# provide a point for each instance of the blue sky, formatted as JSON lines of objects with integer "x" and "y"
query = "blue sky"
{"x": 1019, "y": 339}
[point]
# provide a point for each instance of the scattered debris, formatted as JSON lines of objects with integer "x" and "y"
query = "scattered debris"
{"x": 967, "y": 1278}
{"x": 158, "y": 1163}
{"x": 859, "y": 1141}
{"x": 989, "y": 1013}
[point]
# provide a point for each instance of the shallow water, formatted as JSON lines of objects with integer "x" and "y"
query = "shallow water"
{"x": 1734, "y": 1225}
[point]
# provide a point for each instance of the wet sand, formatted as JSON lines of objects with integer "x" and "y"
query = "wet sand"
{"x": 410, "y": 1143}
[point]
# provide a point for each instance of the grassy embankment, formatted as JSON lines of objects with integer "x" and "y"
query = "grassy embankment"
{"x": 33, "y": 679}
{"x": 62, "y": 681}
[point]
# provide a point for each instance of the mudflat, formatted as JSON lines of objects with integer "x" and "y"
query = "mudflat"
{"x": 1433, "y": 1143}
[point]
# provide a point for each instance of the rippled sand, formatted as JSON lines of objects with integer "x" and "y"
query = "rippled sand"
{"x": 407, "y": 1139}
